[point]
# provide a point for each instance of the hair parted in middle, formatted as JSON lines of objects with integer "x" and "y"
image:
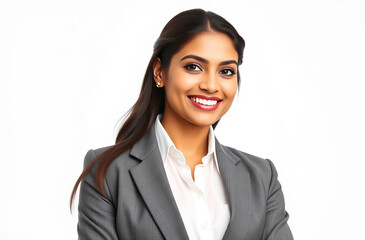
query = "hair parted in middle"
{"x": 151, "y": 101}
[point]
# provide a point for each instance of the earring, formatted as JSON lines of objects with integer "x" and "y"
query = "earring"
{"x": 158, "y": 84}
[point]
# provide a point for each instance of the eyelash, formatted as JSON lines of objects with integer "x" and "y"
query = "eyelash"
{"x": 194, "y": 65}
{"x": 229, "y": 69}
{"x": 187, "y": 66}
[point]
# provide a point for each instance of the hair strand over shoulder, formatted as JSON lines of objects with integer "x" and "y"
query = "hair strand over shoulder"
{"x": 177, "y": 32}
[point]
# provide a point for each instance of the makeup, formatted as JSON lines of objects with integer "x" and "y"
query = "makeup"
{"x": 205, "y": 102}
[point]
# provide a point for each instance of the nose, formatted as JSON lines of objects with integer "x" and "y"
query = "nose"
{"x": 209, "y": 82}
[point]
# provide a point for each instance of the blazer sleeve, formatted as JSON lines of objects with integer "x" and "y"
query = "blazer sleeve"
{"x": 276, "y": 226}
{"x": 96, "y": 213}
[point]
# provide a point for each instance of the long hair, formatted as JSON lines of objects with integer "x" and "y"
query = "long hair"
{"x": 151, "y": 101}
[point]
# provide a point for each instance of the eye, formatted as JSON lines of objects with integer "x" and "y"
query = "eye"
{"x": 227, "y": 72}
{"x": 192, "y": 67}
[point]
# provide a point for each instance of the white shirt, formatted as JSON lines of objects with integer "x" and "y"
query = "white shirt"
{"x": 203, "y": 204}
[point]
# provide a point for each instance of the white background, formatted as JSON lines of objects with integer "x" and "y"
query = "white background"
{"x": 70, "y": 69}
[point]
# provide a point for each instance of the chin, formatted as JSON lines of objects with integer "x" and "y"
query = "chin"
{"x": 203, "y": 121}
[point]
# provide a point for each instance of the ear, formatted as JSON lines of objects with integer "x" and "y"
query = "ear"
{"x": 158, "y": 72}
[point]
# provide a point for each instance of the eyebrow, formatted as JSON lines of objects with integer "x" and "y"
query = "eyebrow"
{"x": 206, "y": 61}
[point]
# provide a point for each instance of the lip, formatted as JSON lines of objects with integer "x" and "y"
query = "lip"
{"x": 205, "y": 107}
{"x": 205, "y": 97}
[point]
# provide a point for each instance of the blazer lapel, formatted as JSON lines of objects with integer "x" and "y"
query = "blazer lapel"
{"x": 237, "y": 183}
{"x": 151, "y": 180}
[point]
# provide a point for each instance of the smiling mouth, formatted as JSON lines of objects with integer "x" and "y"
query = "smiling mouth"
{"x": 204, "y": 101}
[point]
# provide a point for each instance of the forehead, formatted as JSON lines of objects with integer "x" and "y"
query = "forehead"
{"x": 213, "y": 46}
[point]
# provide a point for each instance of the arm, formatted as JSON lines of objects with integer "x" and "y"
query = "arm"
{"x": 276, "y": 226}
{"x": 96, "y": 213}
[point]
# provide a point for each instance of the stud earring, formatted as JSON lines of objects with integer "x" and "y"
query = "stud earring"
{"x": 158, "y": 84}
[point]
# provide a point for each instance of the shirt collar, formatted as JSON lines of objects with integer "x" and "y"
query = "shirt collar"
{"x": 165, "y": 143}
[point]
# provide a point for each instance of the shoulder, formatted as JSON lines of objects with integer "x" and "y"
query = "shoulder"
{"x": 261, "y": 170}
{"x": 249, "y": 162}
{"x": 92, "y": 153}
{"x": 117, "y": 172}
{"x": 119, "y": 159}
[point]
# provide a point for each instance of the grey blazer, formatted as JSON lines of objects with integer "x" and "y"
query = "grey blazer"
{"x": 140, "y": 204}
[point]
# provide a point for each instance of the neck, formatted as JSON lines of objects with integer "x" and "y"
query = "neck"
{"x": 190, "y": 139}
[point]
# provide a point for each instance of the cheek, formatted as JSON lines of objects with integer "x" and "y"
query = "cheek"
{"x": 180, "y": 82}
{"x": 230, "y": 88}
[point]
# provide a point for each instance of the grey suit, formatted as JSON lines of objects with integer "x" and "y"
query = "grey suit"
{"x": 141, "y": 204}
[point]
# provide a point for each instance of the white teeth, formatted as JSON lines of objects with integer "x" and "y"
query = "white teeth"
{"x": 204, "y": 101}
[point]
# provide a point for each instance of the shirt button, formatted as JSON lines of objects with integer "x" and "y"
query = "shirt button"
{"x": 204, "y": 225}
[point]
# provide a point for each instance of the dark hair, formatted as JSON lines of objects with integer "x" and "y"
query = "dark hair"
{"x": 177, "y": 32}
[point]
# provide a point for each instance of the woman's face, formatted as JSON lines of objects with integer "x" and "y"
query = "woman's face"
{"x": 201, "y": 81}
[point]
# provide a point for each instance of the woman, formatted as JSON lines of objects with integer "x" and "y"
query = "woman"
{"x": 167, "y": 177}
